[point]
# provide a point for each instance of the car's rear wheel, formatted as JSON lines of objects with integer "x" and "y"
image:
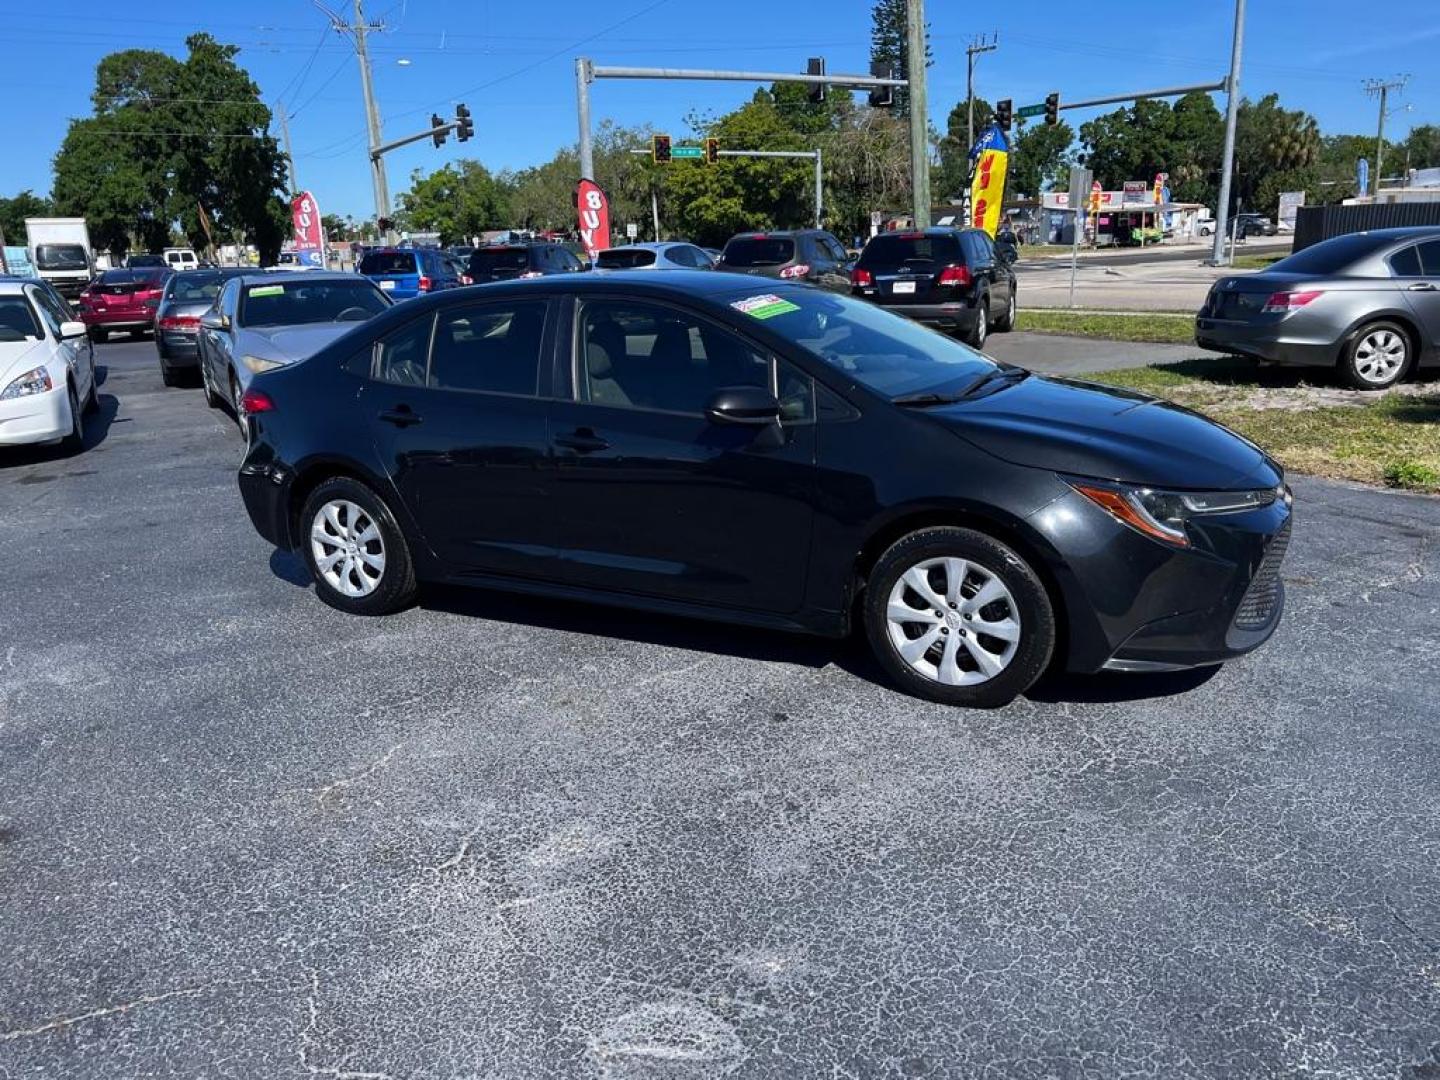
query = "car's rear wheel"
{"x": 981, "y": 330}
{"x": 955, "y": 616}
{"x": 1376, "y": 357}
{"x": 355, "y": 551}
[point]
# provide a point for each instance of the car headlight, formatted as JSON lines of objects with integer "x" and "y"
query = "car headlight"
{"x": 34, "y": 381}
{"x": 257, "y": 364}
{"x": 1162, "y": 515}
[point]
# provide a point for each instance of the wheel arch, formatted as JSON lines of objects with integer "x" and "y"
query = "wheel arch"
{"x": 316, "y": 471}
{"x": 1404, "y": 319}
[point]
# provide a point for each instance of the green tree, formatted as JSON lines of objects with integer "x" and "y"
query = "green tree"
{"x": 947, "y": 179}
{"x": 459, "y": 201}
{"x": 1196, "y": 139}
{"x": 14, "y": 211}
{"x": 867, "y": 168}
{"x": 1039, "y": 156}
{"x": 1422, "y": 147}
{"x": 889, "y": 45}
{"x": 1276, "y": 149}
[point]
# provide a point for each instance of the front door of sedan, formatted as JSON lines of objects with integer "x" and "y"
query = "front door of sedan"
{"x": 1421, "y": 284}
{"x": 648, "y": 495}
{"x": 215, "y": 338}
{"x": 456, "y": 415}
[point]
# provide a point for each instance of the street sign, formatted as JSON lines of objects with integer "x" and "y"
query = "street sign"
{"x": 687, "y": 152}
{"x": 1080, "y": 179}
{"x": 1031, "y": 110}
{"x": 632, "y": 230}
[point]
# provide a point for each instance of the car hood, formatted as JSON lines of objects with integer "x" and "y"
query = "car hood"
{"x": 1086, "y": 429}
{"x": 291, "y": 343}
{"x": 18, "y": 357}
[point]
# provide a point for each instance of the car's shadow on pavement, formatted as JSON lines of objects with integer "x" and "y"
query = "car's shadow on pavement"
{"x": 97, "y": 427}
{"x": 1063, "y": 686}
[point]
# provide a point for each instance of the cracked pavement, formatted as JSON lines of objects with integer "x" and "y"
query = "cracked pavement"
{"x": 242, "y": 835}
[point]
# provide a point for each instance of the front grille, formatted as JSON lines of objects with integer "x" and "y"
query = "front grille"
{"x": 1257, "y": 607}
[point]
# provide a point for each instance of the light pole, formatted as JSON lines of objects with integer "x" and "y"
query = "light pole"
{"x": 1227, "y": 157}
{"x": 1381, "y": 89}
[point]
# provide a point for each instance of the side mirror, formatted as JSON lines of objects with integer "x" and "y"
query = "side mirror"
{"x": 72, "y": 329}
{"x": 215, "y": 320}
{"x": 753, "y": 405}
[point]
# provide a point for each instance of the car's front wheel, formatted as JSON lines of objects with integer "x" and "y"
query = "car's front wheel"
{"x": 1376, "y": 357}
{"x": 355, "y": 550}
{"x": 957, "y": 617}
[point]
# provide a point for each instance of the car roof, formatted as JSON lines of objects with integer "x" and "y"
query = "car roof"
{"x": 930, "y": 230}
{"x": 254, "y": 277}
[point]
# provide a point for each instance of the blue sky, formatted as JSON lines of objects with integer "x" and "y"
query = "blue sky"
{"x": 512, "y": 62}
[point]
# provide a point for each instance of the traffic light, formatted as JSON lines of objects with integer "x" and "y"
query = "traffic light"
{"x": 660, "y": 149}
{"x": 712, "y": 151}
{"x": 384, "y": 224}
{"x": 816, "y": 66}
{"x": 1052, "y": 109}
{"x": 881, "y": 97}
{"x": 437, "y": 136}
{"x": 1002, "y": 114}
{"x": 467, "y": 126}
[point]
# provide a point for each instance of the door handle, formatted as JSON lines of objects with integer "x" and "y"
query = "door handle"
{"x": 1423, "y": 286}
{"x": 582, "y": 441}
{"x": 401, "y": 416}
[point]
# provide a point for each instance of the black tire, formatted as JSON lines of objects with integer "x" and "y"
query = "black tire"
{"x": 978, "y": 334}
{"x": 1381, "y": 334}
{"x": 92, "y": 397}
{"x": 98, "y": 336}
{"x": 1006, "y": 322}
{"x": 75, "y": 441}
{"x": 212, "y": 400}
{"x": 235, "y": 395}
{"x": 396, "y": 587}
{"x": 1032, "y": 610}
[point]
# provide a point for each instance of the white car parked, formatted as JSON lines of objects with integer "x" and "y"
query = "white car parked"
{"x": 47, "y": 367}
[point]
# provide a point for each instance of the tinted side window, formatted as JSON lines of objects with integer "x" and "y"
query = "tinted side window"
{"x": 1406, "y": 262}
{"x": 832, "y": 248}
{"x": 401, "y": 354}
{"x": 1430, "y": 258}
{"x": 646, "y": 356}
{"x": 493, "y": 348}
{"x": 226, "y": 300}
{"x": 48, "y": 314}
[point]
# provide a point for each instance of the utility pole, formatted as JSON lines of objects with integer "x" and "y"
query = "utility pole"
{"x": 294, "y": 181}
{"x": 1227, "y": 157}
{"x": 975, "y": 48}
{"x": 1381, "y": 89}
{"x": 357, "y": 32}
{"x": 919, "y": 114}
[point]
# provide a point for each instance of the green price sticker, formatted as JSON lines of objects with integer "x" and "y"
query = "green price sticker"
{"x": 765, "y": 306}
{"x": 267, "y": 290}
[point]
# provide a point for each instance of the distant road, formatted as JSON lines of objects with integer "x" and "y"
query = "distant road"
{"x": 1139, "y": 256}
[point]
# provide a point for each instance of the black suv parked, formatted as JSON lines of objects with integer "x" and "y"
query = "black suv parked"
{"x": 500, "y": 262}
{"x": 811, "y": 255}
{"x": 950, "y": 278}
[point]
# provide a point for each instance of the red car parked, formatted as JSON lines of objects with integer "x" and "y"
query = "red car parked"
{"x": 122, "y": 300}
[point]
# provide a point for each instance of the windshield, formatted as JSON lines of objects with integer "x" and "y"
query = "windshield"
{"x": 61, "y": 257}
{"x": 388, "y": 262}
{"x": 296, "y": 303}
{"x": 195, "y": 287}
{"x": 145, "y": 260}
{"x": 17, "y": 321}
{"x": 887, "y": 353}
{"x": 1330, "y": 256}
{"x": 898, "y": 249}
{"x": 624, "y": 258}
{"x": 486, "y": 260}
{"x": 759, "y": 251}
{"x": 130, "y": 277}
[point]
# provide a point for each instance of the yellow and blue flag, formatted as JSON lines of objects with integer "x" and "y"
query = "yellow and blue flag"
{"x": 988, "y": 159}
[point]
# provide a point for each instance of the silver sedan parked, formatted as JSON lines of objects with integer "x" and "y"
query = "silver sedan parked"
{"x": 1366, "y": 304}
{"x": 672, "y": 255}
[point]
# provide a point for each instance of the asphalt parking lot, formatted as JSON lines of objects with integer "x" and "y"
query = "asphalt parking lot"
{"x": 243, "y": 835}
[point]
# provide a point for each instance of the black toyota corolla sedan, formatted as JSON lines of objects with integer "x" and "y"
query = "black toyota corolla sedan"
{"x": 774, "y": 455}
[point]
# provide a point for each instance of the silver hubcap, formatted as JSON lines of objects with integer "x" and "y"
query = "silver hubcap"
{"x": 345, "y": 543}
{"x": 981, "y": 326}
{"x": 953, "y": 621}
{"x": 1380, "y": 356}
{"x": 1010, "y": 311}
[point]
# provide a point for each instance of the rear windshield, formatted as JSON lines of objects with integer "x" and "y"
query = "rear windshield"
{"x": 191, "y": 288}
{"x": 293, "y": 303}
{"x": 17, "y": 321}
{"x": 759, "y": 251}
{"x": 897, "y": 249}
{"x": 388, "y": 262}
{"x": 624, "y": 258}
{"x": 61, "y": 257}
{"x": 130, "y": 277}
{"x": 486, "y": 260}
{"x": 1331, "y": 255}
{"x": 145, "y": 260}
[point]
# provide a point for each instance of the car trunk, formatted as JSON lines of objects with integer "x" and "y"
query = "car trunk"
{"x": 136, "y": 297}
{"x": 395, "y": 272}
{"x": 915, "y": 269}
{"x": 498, "y": 264}
{"x": 763, "y": 256}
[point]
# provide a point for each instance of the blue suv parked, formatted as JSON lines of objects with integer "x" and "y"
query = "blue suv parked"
{"x": 405, "y": 273}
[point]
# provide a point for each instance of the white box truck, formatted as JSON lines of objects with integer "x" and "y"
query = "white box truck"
{"x": 60, "y": 253}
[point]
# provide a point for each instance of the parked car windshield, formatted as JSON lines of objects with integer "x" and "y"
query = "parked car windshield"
{"x": 197, "y": 285}
{"x": 485, "y": 260}
{"x": 388, "y": 262}
{"x": 61, "y": 257}
{"x": 897, "y": 249}
{"x": 17, "y": 321}
{"x": 142, "y": 276}
{"x": 1331, "y": 255}
{"x": 887, "y": 353}
{"x": 624, "y": 258}
{"x": 759, "y": 251}
{"x": 144, "y": 260}
{"x": 295, "y": 303}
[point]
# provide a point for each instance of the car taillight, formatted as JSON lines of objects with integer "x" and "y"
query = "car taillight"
{"x": 798, "y": 270}
{"x": 425, "y": 284}
{"x": 465, "y": 279}
{"x": 861, "y": 277}
{"x": 1290, "y": 301}
{"x": 956, "y": 275}
{"x": 180, "y": 322}
{"x": 255, "y": 401}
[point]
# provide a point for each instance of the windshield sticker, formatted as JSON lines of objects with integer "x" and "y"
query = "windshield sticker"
{"x": 266, "y": 290}
{"x": 765, "y": 306}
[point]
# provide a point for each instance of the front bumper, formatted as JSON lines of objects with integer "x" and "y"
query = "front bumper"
{"x": 1284, "y": 342}
{"x": 1136, "y": 604}
{"x": 37, "y": 418}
